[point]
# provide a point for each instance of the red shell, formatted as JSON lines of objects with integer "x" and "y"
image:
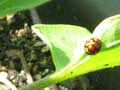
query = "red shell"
{"x": 92, "y": 45}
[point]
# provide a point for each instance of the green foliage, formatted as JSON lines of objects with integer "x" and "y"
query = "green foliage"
{"x": 66, "y": 43}
{"x": 109, "y": 32}
{"x": 12, "y": 6}
{"x": 63, "y": 40}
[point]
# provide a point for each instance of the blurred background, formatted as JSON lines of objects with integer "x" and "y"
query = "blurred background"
{"x": 88, "y": 13}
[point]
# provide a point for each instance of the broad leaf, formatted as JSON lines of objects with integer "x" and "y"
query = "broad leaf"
{"x": 63, "y": 41}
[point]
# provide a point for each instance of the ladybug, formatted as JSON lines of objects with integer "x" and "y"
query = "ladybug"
{"x": 92, "y": 45}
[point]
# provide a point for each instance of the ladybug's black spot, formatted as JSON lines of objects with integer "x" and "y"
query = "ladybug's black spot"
{"x": 106, "y": 64}
{"x": 71, "y": 72}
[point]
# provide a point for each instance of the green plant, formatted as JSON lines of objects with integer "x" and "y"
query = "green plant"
{"x": 66, "y": 44}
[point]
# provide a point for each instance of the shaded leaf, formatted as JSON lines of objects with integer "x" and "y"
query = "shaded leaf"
{"x": 12, "y": 6}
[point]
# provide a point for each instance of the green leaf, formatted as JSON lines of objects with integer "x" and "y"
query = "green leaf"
{"x": 12, "y": 6}
{"x": 63, "y": 40}
{"x": 109, "y": 32}
{"x": 68, "y": 41}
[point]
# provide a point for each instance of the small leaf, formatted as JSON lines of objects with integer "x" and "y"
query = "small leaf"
{"x": 12, "y": 6}
{"x": 109, "y": 32}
